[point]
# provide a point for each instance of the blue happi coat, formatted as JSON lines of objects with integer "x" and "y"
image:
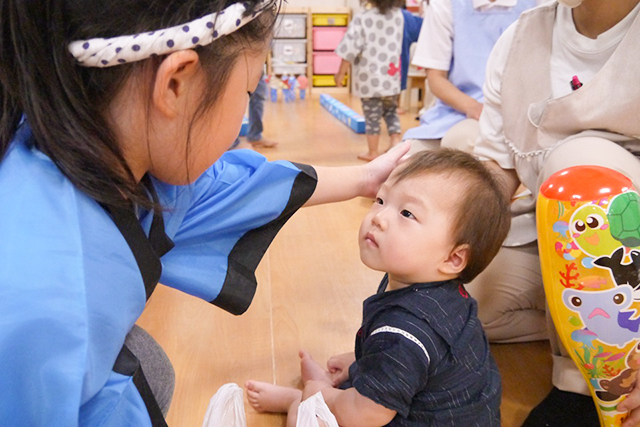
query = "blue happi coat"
{"x": 71, "y": 287}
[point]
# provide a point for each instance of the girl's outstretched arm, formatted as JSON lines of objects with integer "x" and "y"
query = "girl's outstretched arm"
{"x": 336, "y": 184}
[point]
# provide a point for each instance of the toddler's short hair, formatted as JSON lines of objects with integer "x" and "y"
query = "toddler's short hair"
{"x": 482, "y": 218}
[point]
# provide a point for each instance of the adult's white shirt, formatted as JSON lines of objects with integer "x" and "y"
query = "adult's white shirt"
{"x": 435, "y": 43}
{"x": 570, "y": 51}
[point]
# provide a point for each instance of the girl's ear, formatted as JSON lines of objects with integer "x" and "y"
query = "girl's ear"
{"x": 457, "y": 260}
{"x": 175, "y": 80}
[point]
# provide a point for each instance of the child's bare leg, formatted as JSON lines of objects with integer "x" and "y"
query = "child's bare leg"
{"x": 311, "y": 370}
{"x": 266, "y": 397}
{"x": 292, "y": 413}
{"x": 372, "y": 144}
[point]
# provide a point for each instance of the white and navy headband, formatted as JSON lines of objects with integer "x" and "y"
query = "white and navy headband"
{"x": 107, "y": 52}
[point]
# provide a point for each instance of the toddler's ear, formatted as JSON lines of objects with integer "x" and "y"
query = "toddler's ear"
{"x": 457, "y": 260}
{"x": 174, "y": 79}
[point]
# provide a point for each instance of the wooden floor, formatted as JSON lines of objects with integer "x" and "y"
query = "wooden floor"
{"x": 310, "y": 293}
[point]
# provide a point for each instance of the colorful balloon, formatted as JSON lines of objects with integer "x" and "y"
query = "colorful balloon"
{"x": 588, "y": 220}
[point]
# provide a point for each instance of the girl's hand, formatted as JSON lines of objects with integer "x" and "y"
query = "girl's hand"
{"x": 340, "y": 183}
{"x": 378, "y": 170}
{"x": 338, "y": 367}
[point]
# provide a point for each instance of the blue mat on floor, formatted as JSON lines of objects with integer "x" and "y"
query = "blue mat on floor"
{"x": 343, "y": 113}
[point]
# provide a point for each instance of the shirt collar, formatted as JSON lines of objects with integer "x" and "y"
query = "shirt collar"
{"x": 486, "y": 4}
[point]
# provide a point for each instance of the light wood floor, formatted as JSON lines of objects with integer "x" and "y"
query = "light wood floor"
{"x": 310, "y": 293}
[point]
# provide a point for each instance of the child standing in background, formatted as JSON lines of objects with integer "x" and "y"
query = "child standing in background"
{"x": 373, "y": 44}
{"x": 256, "y": 111}
{"x": 421, "y": 356}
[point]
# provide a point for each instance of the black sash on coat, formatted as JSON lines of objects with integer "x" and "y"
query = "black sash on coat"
{"x": 147, "y": 252}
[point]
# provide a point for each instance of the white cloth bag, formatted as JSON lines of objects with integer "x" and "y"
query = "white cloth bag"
{"x": 226, "y": 408}
{"x": 314, "y": 409}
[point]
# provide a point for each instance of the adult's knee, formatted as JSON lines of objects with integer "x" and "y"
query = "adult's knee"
{"x": 462, "y": 135}
{"x": 594, "y": 151}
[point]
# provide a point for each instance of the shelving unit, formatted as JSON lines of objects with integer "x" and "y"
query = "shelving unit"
{"x": 328, "y": 26}
{"x": 288, "y": 53}
{"x": 303, "y": 43}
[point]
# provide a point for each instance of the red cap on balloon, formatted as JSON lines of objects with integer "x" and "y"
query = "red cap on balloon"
{"x": 582, "y": 183}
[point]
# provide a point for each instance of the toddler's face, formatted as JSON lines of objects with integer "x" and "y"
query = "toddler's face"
{"x": 407, "y": 232}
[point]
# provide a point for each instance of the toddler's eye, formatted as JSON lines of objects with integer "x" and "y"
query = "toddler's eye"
{"x": 379, "y": 201}
{"x": 405, "y": 213}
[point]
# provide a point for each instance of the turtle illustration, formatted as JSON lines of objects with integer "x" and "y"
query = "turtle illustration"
{"x": 624, "y": 219}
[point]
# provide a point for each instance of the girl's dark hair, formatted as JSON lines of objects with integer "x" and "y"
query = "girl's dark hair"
{"x": 66, "y": 104}
{"x": 385, "y": 5}
{"x": 482, "y": 217}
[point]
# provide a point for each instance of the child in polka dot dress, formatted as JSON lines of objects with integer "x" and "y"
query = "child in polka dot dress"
{"x": 373, "y": 44}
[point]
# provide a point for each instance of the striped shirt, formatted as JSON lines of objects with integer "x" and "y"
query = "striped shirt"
{"x": 421, "y": 352}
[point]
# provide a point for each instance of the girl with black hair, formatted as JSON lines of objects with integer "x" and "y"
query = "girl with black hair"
{"x": 116, "y": 117}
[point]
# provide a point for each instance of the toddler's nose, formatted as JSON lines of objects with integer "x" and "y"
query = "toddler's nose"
{"x": 379, "y": 219}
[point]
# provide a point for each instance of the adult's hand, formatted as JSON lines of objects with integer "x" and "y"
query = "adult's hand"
{"x": 632, "y": 404}
{"x": 474, "y": 109}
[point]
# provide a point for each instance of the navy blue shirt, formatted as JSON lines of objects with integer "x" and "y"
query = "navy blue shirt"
{"x": 421, "y": 352}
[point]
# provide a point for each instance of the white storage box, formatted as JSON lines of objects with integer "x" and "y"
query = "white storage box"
{"x": 290, "y": 69}
{"x": 291, "y": 26}
{"x": 289, "y": 50}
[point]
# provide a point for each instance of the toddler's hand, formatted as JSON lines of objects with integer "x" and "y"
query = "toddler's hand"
{"x": 338, "y": 367}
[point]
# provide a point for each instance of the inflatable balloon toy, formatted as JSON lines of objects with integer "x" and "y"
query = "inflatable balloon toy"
{"x": 588, "y": 221}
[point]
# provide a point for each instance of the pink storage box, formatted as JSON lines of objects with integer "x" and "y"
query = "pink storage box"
{"x": 326, "y": 63}
{"x": 327, "y": 38}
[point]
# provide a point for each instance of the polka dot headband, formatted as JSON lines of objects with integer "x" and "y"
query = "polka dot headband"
{"x": 107, "y": 52}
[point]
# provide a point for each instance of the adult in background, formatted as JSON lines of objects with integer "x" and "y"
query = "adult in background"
{"x": 536, "y": 122}
{"x": 454, "y": 44}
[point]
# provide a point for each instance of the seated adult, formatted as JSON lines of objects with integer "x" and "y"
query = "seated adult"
{"x": 454, "y": 44}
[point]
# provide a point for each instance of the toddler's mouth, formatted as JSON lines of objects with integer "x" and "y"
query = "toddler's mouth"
{"x": 370, "y": 239}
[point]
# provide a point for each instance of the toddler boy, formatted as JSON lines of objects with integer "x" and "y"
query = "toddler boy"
{"x": 421, "y": 356}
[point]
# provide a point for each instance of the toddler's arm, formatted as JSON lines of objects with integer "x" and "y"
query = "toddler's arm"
{"x": 350, "y": 408}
